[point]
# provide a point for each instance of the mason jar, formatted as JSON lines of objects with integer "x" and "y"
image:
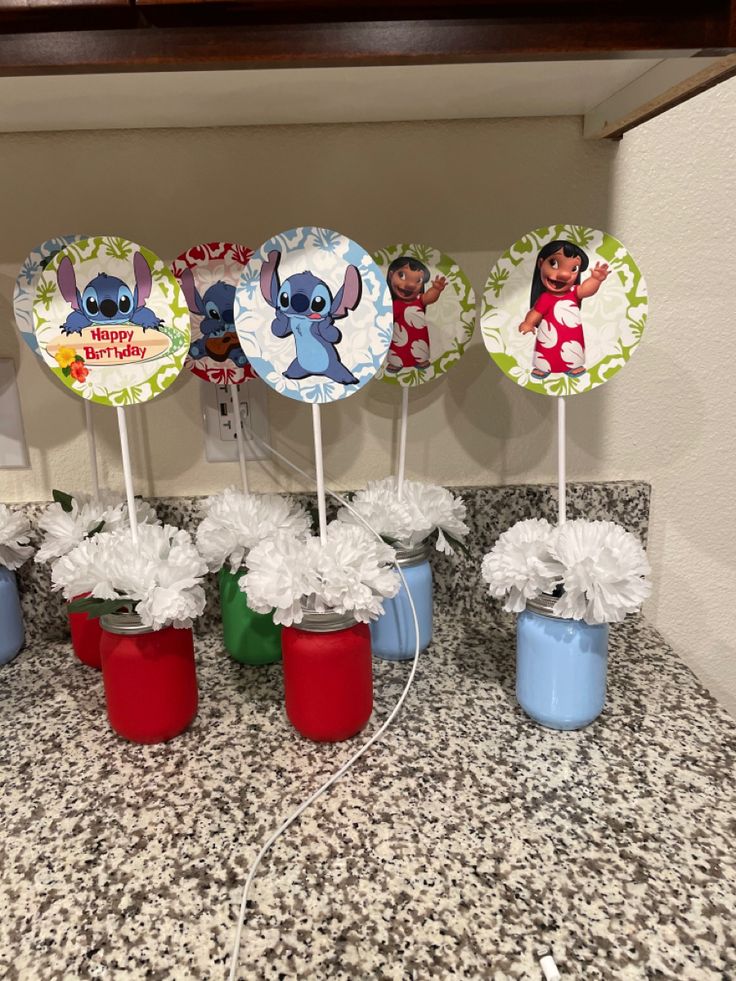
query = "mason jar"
{"x": 12, "y": 634}
{"x": 86, "y": 635}
{"x": 561, "y": 666}
{"x": 393, "y": 634}
{"x": 250, "y": 637}
{"x": 150, "y": 678}
{"x": 328, "y": 676}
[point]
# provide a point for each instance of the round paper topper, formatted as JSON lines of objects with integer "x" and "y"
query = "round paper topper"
{"x": 313, "y": 315}
{"x": 433, "y": 313}
{"x": 564, "y": 309}
{"x": 208, "y": 275}
{"x": 111, "y": 321}
{"x": 27, "y": 281}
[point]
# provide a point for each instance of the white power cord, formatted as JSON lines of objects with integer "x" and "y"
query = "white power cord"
{"x": 356, "y": 756}
{"x": 547, "y": 963}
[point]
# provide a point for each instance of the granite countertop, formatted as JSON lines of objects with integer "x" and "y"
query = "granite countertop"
{"x": 454, "y": 849}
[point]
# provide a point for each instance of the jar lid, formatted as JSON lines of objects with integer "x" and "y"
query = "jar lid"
{"x": 323, "y": 623}
{"x": 543, "y": 604}
{"x": 414, "y": 554}
{"x": 123, "y": 623}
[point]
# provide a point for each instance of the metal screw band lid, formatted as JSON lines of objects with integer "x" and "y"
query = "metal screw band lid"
{"x": 543, "y": 604}
{"x": 414, "y": 555}
{"x": 123, "y": 623}
{"x": 324, "y": 623}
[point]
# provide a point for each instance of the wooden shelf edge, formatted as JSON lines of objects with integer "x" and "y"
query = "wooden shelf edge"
{"x": 547, "y": 37}
{"x": 665, "y": 86}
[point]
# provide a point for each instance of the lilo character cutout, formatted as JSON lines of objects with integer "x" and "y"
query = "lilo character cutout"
{"x": 556, "y": 296}
{"x": 406, "y": 279}
{"x": 306, "y": 309}
{"x": 219, "y": 340}
{"x": 106, "y": 300}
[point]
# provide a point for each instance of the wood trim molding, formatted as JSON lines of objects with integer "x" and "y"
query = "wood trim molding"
{"x": 663, "y": 87}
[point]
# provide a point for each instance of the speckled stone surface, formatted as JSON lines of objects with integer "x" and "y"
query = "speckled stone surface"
{"x": 491, "y": 510}
{"x": 464, "y": 840}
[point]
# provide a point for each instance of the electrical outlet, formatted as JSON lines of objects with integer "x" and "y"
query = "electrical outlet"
{"x": 219, "y": 425}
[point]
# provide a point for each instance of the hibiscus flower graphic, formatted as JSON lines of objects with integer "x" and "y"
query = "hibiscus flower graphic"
{"x": 72, "y": 364}
{"x": 65, "y": 356}
{"x": 78, "y": 369}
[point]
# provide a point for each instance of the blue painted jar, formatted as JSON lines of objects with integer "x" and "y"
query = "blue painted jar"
{"x": 560, "y": 666}
{"x": 393, "y": 637}
{"x": 11, "y": 618}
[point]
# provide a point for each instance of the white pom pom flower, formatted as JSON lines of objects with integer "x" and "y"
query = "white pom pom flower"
{"x": 159, "y": 577}
{"x": 82, "y": 570}
{"x": 422, "y": 511}
{"x": 235, "y": 522}
{"x": 14, "y": 540}
{"x": 605, "y": 571}
{"x": 74, "y": 517}
{"x": 281, "y": 575}
{"x": 520, "y": 565}
{"x": 350, "y": 573}
{"x": 599, "y": 569}
{"x": 354, "y": 572}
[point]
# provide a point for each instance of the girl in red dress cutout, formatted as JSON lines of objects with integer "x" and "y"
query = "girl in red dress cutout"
{"x": 406, "y": 280}
{"x": 556, "y": 296}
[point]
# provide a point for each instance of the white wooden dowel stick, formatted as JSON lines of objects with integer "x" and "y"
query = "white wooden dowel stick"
{"x": 320, "y": 471}
{"x": 127, "y": 473}
{"x": 238, "y": 423}
{"x": 561, "y": 463}
{"x": 92, "y": 449}
{"x": 402, "y": 440}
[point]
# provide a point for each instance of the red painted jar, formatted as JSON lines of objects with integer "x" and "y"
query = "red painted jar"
{"x": 150, "y": 679}
{"x": 328, "y": 676}
{"x": 86, "y": 635}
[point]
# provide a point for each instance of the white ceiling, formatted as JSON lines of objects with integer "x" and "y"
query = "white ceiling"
{"x": 311, "y": 95}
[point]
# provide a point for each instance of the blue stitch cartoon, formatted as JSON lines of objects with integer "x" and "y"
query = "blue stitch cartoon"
{"x": 219, "y": 340}
{"x": 106, "y": 300}
{"x": 306, "y": 309}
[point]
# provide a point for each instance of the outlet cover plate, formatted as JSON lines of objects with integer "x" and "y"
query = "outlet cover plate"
{"x": 219, "y": 431}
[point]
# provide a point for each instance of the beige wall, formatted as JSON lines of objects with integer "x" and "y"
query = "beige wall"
{"x": 674, "y": 204}
{"x": 470, "y": 188}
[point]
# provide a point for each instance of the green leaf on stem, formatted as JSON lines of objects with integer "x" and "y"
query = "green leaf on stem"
{"x": 96, "y": 530}
{"x": 66, "y": 500}
{"x": 95, "y": 607}
{"x": 457, "y": 545}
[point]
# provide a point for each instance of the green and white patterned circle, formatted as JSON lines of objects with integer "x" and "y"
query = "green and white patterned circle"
{"x": 613, "y": 320}
{"x": 450, "y": 321}
{"x": 112, "y": 362}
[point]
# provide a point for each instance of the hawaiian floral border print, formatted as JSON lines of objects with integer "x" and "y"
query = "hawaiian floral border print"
{"x": 464, "y": 296}
{"x": 617, "y": 317}
{"x": 124, "y": 383}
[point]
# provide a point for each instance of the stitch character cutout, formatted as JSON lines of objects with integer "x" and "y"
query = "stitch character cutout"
{"x": 554, "y": 316}
{"x": 106, "y": 300}
{"x": 219, "y": 340}
{"x": 307, "y": 310}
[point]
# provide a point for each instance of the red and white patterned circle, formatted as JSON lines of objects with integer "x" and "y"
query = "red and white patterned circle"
{"x": 208, "y": 275}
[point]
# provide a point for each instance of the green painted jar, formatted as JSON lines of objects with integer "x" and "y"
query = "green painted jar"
{"x": 250, "y": 638}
